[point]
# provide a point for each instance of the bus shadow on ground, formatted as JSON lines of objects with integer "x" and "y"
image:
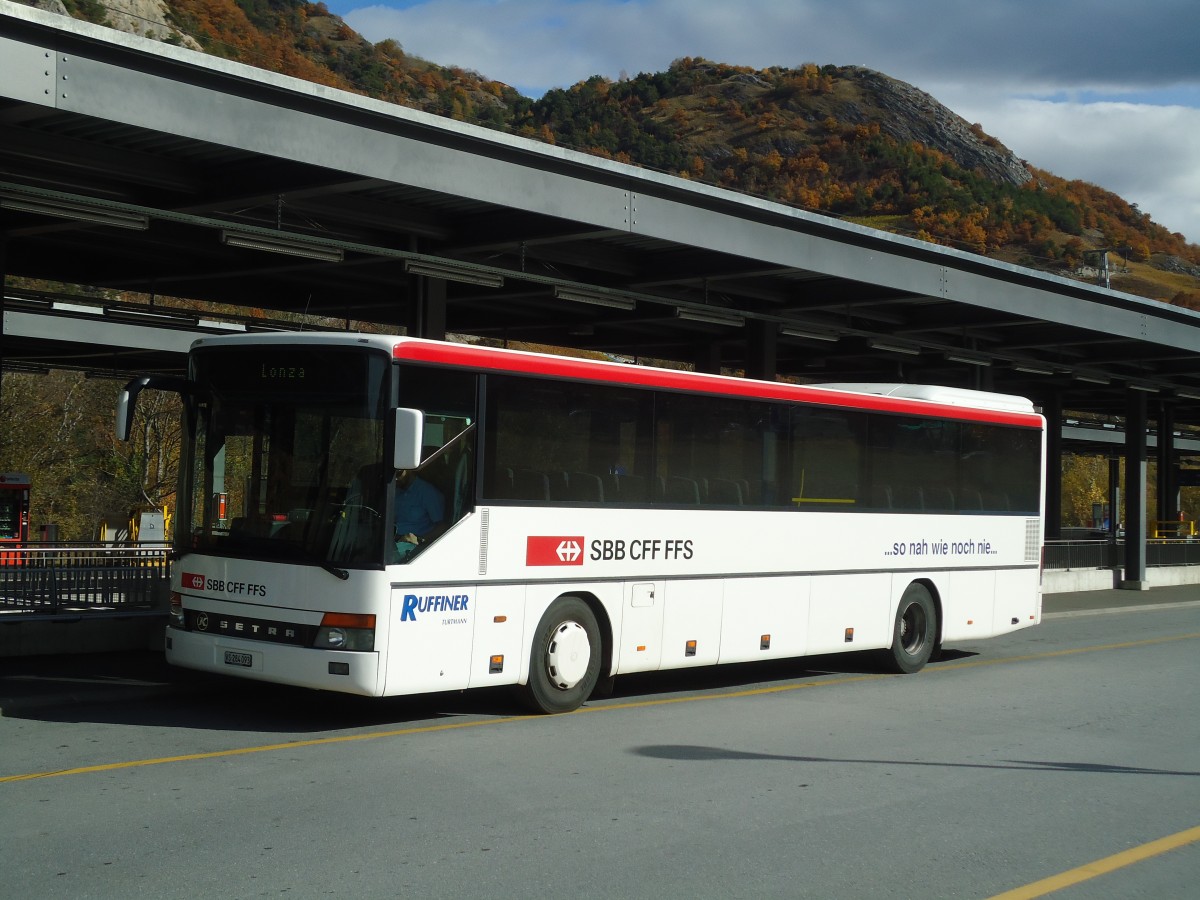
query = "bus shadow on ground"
{"x": 144, "y": 692}
{"x": 274, "y": 709}
{"x": 702, "y": 753}
{"x": 139, "y": 689}
{"x": 768, "y": 674}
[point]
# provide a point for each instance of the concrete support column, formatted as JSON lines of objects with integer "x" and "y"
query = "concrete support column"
{"x": 1135, "y": 493}
{"x": 1114, "y": 497}
{"x": 1052, "y": 410}
{"x": 708, "y": 358}
{"x": 3, "y": 282}
{"x": 427, "y": 316}
{"x": 762, "y": 340}
{"x": 987, "y": 378}
{"x": 1168, "y": 472}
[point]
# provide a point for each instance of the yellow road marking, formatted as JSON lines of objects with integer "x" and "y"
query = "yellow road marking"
{"x": 1102, "y": 866}
{"x": 262, "y": 748}
{"x": 607, "y": 707}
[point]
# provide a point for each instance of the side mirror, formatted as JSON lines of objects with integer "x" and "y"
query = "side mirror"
{"x": 410, "y": 425}
{"x": 127, "y": 401}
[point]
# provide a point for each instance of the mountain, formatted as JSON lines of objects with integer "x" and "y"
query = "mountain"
{"x": 845, "y": 141}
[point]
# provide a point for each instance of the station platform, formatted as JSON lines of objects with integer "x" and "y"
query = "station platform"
{"x": 33, "y": 682}
{"x": 1116, "y": 600}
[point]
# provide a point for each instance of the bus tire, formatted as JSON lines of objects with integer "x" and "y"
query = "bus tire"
{"x": 564, "y": 663}
{"x": 914, "y": 634}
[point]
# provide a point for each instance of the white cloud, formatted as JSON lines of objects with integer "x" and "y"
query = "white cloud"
{"x": 1026, "y": 44}
{"x": 1143, "y": 153}
{"x": 984, "y": 61}
{"x": 535, "y": 45}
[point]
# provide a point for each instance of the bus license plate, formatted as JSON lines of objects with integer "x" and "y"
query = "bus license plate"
{"x": 236, "y": 658}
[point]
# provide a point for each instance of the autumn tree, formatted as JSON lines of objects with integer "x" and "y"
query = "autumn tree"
{"x": 59, "y": 431}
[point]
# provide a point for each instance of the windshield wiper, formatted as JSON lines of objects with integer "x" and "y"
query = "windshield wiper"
{"x": 334, "y": 570}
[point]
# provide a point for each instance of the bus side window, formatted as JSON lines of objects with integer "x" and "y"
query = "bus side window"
{"x": 563, "y": 442}
{"x": 827, "y": 465}
{"x": 714, "y": 451}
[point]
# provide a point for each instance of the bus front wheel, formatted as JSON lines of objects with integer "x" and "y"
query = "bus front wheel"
{"x": 564, "y": 664}
{"x": 915, "y": 631}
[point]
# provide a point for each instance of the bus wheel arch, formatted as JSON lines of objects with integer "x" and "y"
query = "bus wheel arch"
{"x": 916, "y": 630}
{"x": 941, "y": 620}
{"x": 568, "y": 656}
{"x": 604, "y": 686}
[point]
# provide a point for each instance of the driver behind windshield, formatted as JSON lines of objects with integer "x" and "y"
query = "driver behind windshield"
{"x": 420, "y": 510}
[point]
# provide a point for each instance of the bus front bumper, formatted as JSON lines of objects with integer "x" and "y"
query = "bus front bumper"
{"x": 325, "y": 670}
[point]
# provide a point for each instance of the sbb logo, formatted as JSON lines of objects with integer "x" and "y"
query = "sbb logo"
{"x": 554, "y": 551}
{"x": 193, "y": 582}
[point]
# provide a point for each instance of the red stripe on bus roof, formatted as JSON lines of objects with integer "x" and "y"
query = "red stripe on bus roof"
{"x": 516, "y": 361}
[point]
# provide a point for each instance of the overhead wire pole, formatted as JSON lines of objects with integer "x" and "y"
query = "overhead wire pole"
{"x": 1103, "y": 278}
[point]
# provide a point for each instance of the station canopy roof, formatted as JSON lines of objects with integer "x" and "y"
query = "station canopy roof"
{"x": 136, "y": 166}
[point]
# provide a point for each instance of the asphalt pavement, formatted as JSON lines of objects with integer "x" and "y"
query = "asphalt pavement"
{"x": 35, "y": 682}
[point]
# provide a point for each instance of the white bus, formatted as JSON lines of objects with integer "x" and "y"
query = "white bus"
{"x": 594, "y": 518}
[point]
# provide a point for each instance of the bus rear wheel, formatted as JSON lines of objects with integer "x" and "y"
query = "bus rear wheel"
{"x": 915, "y": 632}
{"x": 564, "y": 663}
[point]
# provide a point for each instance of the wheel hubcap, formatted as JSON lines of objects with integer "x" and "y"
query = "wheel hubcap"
{"x": 912, "y": 629}
{"x": 568, "y": 655}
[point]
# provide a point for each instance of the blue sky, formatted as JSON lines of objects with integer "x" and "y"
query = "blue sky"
{"x": 1107, "y": 92}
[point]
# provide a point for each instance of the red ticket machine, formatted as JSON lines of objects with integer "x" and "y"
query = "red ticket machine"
{"x": 14, "y": 516}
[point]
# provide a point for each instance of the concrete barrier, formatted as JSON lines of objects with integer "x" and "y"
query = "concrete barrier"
{"x": 1063, "y": 581}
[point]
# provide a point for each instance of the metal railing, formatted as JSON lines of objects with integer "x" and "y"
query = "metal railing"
{"x": 1178, "y": 552}
{"x": 1106, "y": 554}
{"x": 1173, "y": 528}
{"x": 56, "y": 579}
{"x": 1081, "y": 554}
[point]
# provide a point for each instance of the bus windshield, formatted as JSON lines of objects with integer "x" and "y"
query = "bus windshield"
{"x": 287, "y": 457}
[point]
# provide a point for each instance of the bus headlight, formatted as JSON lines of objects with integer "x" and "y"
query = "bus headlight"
{"x": 175, "y": 611}
{"x": 346, "y": 631}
